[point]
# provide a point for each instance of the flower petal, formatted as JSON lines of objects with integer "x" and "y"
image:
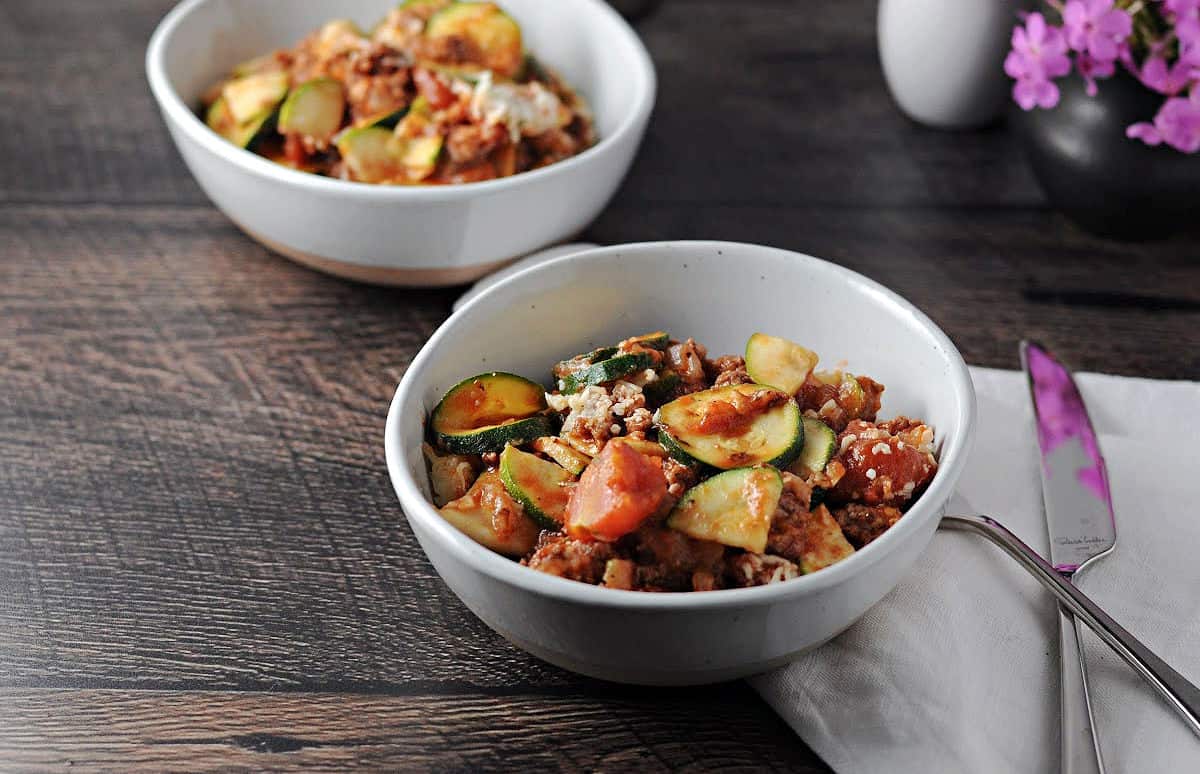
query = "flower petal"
{"x": 1144, "y": 132}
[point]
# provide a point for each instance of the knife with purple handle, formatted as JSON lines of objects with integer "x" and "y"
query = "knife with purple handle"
{"x": 1082, "y": 527}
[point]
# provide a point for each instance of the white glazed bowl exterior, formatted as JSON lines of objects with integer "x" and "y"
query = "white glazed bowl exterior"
{"x": 456, "y": 228}
{"x": 718, "y": 293}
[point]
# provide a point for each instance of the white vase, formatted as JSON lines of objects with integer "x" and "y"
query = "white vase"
{"x": 944, "y": 59}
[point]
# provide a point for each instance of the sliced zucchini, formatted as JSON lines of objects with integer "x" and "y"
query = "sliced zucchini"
{"x": 824, "y": 543}
{"x": 540, "y": 485}
{"x": 642, "y": 446}
{"x": 418, "y": 155}
{"x": 487, "y": 411}
{"x": 368, "y": 155}
{"x": 778, "y": 362}
{"x": 249, "y": 97}
{"x": 657, "y": 340}
{"x": 258, "y": 64}
{"x": 220, "y": 120}
{"x": 490, "y": 517}
{"x": 605, "y": 371}
{"x": 385, "y": 120}
{"x": 314, "y": 109}
{"x": 420, "y": 5}
{"x": 732, "y": 427}
{"x": 733, "y": 508}
{"x": 820, "y": 443}
{"x": 494, "y": 34}
{"x": 563, "y": 453}
{"x": 564, "y": 368}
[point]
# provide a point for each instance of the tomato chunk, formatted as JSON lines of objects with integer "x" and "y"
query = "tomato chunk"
{"x": 615, "y": 494}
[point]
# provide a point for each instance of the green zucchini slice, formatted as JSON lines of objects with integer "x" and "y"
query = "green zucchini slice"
{"x": 657, "y": 340}
{"x": 368, "y": 155}
{"x": 220, "y": 120}
{"x": 778, "y": 362}
{"x": 733, "y": 508}
{"x": 487, "y": 411}
{"x": 820, "y": 443}
{"x": 732, "y": 427}
{"x": 606, "y": 371}
{"x": 373, "y": 154}
{"x": 563, "y": 453}
{"x": 249, "y": 97}
{"x": 386, "y": 120}
{"x": 314, "y": 109}
{"x": 539, "y": 485}
{"x": 488, "y": 515}
{"x": 565, "y": 368}
{"x": 418, "y": 155}
{"x": 494, "y": 36}
{"x": 642, "y": 446}
{"x": 824, "y": 543}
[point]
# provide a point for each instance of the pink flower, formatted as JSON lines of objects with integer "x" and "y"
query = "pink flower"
{"x": 1177, "y": 124}
{"x": 1164, "y": 78}
{"x": 1186, "y": 20}
{"x": 1091, "y": 69}
{"x": 1039, "y": 53}
{"x": 1095, "y": 27}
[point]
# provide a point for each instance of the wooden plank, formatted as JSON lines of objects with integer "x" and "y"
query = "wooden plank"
{"x": 144, "y": 731}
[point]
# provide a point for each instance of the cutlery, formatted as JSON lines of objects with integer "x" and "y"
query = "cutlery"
{"x": 1182, "y": 695}
{"x": 1082, "y": 528}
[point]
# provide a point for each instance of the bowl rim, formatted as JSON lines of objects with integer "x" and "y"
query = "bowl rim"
{"x": 180, "y": 114}
{"x": 461, "y": 548}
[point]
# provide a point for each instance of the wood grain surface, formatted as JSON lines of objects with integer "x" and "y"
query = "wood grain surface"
{"x": 202, "y": 564}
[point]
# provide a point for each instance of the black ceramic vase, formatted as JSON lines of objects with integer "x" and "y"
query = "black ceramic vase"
{"x": 1107, "y": 183}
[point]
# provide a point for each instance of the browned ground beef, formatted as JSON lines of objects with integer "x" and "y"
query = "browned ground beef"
{"x": 863, "y": 523}
{"x": 680, "y": 477}
{"x": 726, "y": 370}
{"x": 668, "y": 560}
{"x": 379, "y": 82}
{"x": 566, "y": 557}
{"x": 786, "y": 537}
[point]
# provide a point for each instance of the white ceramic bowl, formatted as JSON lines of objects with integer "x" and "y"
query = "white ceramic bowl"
{"x": 426, "y": 235}
{"x": 719, "y": 293}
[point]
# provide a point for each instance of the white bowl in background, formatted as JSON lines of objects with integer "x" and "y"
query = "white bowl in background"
{"x": 402, "y": 235}
{"x": 718, "y": 293}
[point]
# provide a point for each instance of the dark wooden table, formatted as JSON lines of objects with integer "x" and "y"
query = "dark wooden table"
{"x": 202, "y": 563}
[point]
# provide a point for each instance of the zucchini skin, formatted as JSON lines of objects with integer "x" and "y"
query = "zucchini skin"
{"x": 820, "y": 444}
{"x": 537, "y": 484}
{"x": 720, "y": 508}
{"x": 606, "y": 371}
{"x": 496, "y": 437}
{"x": 725, "y": 455}
{"x": 521, "y": 400}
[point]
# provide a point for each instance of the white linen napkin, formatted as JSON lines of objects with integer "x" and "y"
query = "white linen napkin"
{"x": 956, "y": 670}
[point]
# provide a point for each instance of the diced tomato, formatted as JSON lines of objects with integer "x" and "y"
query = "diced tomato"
{"x": 615, "y": 494}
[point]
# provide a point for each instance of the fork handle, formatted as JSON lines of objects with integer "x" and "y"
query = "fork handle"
{"x": 1182, "y": 695}
{"x": 1080, "y": 746}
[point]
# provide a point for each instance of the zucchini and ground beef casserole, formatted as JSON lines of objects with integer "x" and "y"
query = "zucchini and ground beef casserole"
{"x": 652, "y": 467}
{"x": 437, "y": 92}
